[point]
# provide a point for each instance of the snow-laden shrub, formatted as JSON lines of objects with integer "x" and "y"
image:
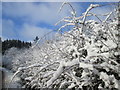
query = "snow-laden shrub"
{"x": 6, "y": 75}
{"x": 9, "y": 57}
{"x": 85, "y": 57}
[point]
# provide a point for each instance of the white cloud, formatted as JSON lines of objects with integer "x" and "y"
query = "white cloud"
{"x": 37, "y": 12}
{"x": 34, "y": 12}
{"x": 29, "y": 32}
{"x": 8, "y": 29}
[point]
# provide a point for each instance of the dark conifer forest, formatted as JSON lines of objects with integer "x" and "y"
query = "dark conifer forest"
{"x": 7, "y": 44}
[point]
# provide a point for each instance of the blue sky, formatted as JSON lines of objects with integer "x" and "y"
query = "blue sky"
{"x": 26, "y": 20}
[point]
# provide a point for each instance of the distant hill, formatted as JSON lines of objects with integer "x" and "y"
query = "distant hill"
{"x": 7, "y": 44}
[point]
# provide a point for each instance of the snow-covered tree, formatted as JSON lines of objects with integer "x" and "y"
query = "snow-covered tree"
{"x": 86, "y": 57}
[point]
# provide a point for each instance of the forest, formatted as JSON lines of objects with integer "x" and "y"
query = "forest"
{"x": 84, "y": 58}
{"x": 7, "y": 44}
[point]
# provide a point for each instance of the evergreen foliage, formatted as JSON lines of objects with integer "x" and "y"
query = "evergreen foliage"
{"x": 7, "y": 44}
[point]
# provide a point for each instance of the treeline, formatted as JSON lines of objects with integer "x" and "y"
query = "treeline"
{"x": 7, "y": 44}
